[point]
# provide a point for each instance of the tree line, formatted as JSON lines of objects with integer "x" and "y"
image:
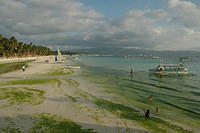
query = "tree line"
{"x": 12, "y": 48}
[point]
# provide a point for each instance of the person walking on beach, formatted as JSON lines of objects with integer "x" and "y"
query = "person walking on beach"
{"x": 23, "y": 68}
{"x": 147, "y": 114}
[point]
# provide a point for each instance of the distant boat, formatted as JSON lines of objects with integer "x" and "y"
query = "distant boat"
{"x": 77, "y": 58}
{"x": 155, "y": 57}
{"x": 170, "y": 69}
{"x": 185, "y": 59}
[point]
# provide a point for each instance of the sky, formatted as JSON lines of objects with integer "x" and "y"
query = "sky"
{"x": 85, "y": 24}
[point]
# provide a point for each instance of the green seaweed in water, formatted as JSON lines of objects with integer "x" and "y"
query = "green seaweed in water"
{"x": 154, "y": 124}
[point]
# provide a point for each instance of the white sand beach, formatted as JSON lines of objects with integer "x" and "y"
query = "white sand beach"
{"x": 64, "y": 96}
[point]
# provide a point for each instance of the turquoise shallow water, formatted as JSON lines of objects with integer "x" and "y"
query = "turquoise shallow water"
{"x": 138, "y": 64}
{"x": 178, "y": 98}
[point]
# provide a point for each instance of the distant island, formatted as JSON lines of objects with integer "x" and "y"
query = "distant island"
{"x": 13, "y": 48}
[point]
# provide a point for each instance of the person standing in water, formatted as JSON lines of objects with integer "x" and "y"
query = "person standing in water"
{"x": 23, "y": 68}
{"x": 157, "y": 111}
{"x": 131, "y": 74}
{"x": 147, "y": 114}
{"x": 150, "y": 98}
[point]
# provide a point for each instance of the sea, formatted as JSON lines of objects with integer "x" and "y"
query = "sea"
{"x": 176, "y": 97}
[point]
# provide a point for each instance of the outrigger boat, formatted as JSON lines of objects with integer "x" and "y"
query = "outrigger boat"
{"x": 170, "y": 69}
{"x": 73, "y": 67}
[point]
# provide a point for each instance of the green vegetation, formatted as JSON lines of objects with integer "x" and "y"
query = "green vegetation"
{"x": 28, "y": 81}
{"x": 71, "y": 97}
{"x": 96, "y": 118}
{"x": 189, "y": 111}
{"x": 48, "y": 123}
{"x": 58, "y": 72}
{"x": 11, "y": 130}
{"x": 12, "y": 48}
{"x": 136, "y": 92}
{"x": 31, "y": 82}
{"x": 154, "y": 124}
{"x": 72, "y": 82}
{"x": 41, "y": 123}
{"x": 22, "y": 95}
{"x": 113, "y": 107}
{"x": 58, "y": 82}
{"x": 8, "y": 67}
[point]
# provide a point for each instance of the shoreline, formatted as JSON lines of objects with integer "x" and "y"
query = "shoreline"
{"x": 63, "y": 96}
{"x": 37, "y": 58}
{"x": 56, "y": 90}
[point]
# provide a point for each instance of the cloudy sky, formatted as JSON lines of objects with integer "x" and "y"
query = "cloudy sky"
{"x": 80, "y": 24}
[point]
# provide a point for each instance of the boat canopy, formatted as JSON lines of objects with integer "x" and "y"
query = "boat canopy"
{"x": 171, "y": 67}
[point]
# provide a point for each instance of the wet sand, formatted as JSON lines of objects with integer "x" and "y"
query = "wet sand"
{"x": 62, "y": 94}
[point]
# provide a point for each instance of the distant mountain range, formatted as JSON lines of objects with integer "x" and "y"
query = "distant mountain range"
{"x": 137, "y": 52}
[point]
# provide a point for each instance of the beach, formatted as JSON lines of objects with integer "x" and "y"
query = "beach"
{"x": 51, "y": 93}
{"x": 61, "y": 95}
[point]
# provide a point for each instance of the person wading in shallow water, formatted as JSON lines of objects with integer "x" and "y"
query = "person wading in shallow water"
{"x": 150, "y": 98}
{"x": 131, "y": 74}
{"x": 147, "y": 114}
{"x": 157, "y": 111}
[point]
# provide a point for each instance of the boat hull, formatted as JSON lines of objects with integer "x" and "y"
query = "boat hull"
{"x": 73, "y": 67}
{"x": 163, "y": 73}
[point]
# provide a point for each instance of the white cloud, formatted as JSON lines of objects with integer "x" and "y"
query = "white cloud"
{"x": 47, "y": 16}
{"x": 75, "y": 25}
{"x": 185, "y": 13}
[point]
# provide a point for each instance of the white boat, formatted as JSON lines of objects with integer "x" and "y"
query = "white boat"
{"x": 155, "y": 57}
{"x": 185, "y": 59}
{"x": 170, "y": 69}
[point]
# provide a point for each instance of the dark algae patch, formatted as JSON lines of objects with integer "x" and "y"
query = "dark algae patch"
{"x": 190, "y": 112}
{"x": 22, "y": 95}
{"x": 154, "y": 124}
{"x": 113, "y": 107}
{"x": 11, "y": 130}
{"x": 72, "y": 82}
{"x": 40, "y": 123}
{"x": 28, "y": 81}
{"x": 31, "y": 82}
{"x": 71, "y": 97}
{"x": 173, "y": 96}
{"x": 48, "y": 123}
{"x": 156, "y": 85}
{"x": 176, "y": 98}
{"x": 57, "y": 72}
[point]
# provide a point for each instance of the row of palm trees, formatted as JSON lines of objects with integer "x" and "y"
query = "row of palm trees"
{"x": 12, "y": 48}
